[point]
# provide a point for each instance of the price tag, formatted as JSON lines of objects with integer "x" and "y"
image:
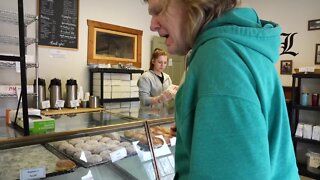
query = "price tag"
{"x": 146, "y": 155}
{"x": 18, "y": 67}
{"x": 118, "y": 154}
{"x": 45, "y": 104}
{"x": 173, "y": 141}
{"x": 74, "y": 103}
{"x": 35, "y": 173}
{"x": 59, "y": 103}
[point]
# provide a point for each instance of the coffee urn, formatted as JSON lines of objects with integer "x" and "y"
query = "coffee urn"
{"x": 55, "y": 92}
{"x": 72, "y": 89}
{"x": 41, "y": 92}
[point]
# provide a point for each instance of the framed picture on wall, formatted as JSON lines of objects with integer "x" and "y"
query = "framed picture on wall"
{"x": 314, "y": 24}
{"x": 317, "y": 57}
{"x": 286, "y": 67}
{"x": 113, "y": 44}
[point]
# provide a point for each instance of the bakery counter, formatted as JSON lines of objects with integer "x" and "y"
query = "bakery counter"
{"x": 95, "y": 145}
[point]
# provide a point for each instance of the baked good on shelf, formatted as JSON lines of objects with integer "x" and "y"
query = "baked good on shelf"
{"x": 76, "y": 141}
{"x": 65, "y": 165}
{"x": 105, "y": 155}
{"x": 125, "y": 144}
{"x": 129, "y": 133}
{"x": 72, "y": 150}
{"x": 94, "y": 158}
{"x": 105, "y": 139}
{"x": 96, "y": 137}
{"x": 114, "y": 136}
{"x": 99, "y": 148}
{"x": 79, "y": 153}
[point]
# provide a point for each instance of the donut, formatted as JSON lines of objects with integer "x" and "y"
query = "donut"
{"x": 105, "y": 155}
{"x": 65, "y": 165}
{"x": 94, "y": 158}
{"x": 76, "y": 141}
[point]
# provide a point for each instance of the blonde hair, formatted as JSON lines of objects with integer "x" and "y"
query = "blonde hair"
{"x": 157, "y": 52}
{"x": 200, "y": 13}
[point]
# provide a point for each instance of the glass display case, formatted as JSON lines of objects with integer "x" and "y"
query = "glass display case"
{"x": 97, "y": 145}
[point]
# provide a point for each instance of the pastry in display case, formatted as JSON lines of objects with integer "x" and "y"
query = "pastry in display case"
{"x": 92, "y": 150}
{"x": 93, "y": 145}
{"x": 16, "y": 159}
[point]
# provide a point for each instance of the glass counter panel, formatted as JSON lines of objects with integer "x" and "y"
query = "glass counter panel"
{"x": 100, "y": 153}
{"x": 147, "y": 113}
{"x": 87, "y": 120}
{"x": 28, "y": 157}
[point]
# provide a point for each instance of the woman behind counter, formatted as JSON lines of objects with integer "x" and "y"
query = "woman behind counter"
{"x": 154, "y": 83}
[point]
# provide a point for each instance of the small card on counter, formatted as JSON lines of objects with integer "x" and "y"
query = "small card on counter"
{"x": 45, "y": 104}
{"x": 34, "y": 173}
{"x": 118, "y": 154}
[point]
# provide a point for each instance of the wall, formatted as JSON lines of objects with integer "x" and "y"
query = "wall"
{"x": 66, "y": 64}
{"x": 293, "y": 16}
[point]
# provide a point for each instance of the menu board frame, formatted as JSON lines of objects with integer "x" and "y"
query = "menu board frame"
{"x": 58, "y": 24}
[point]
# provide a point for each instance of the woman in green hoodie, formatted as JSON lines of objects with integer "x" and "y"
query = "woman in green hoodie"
{"x": 231, "y": 116}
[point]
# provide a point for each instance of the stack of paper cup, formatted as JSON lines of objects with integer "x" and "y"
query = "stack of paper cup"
{"x": 86, "y": 96}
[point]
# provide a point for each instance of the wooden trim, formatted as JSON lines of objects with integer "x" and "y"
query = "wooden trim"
{"x": 93, "y": 58}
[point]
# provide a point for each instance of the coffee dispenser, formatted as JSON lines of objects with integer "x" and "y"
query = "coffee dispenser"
{"x": 41, "y": 92}
{"x": 72, "y": 89}
{"x": 55, "y": 92}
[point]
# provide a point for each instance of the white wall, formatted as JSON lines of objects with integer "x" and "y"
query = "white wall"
{"x": 73, "y": 63}
{"x": 293, "y": 16}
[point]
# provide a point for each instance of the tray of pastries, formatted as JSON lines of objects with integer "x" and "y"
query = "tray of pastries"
{"x": 140, "y": 135}
{"x": 29, "y": 157}
{"x": 92, "y": 150}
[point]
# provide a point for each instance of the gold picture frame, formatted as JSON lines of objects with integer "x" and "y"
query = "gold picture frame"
{"x": 112, "y": 44}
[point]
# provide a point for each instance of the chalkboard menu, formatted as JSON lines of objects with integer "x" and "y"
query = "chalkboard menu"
{"x": 58, "y": 23}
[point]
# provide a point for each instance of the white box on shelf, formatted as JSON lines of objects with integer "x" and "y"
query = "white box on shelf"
{"x": 120, "y": 89}
{"x": 125, "y": 104}
{"x": 125, "y": 83}
{"x": 8, "y": 89}
{"x": 134, "y": 89}
{"x": 107, "y": 95}
{"x": 316, "y": 133}
{"x": 134, "y": 94}
{"x": 135, "y": 76}
{"x": 106, "y": 76}
{"x": 120, "y": 76}
{"x": 307, "y": 131}
{"x": 120, "y": 95}
{"x": 134, "y": 82}
{"x": 299, "y": 130}
{"x": 116, "y": 82}
{"x": 135, "y": 104}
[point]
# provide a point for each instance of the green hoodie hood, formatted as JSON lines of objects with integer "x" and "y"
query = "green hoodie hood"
{"x": 242, "y": 26}
{"x": 231, "y": 114}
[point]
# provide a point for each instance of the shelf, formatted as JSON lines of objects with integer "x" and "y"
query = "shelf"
{"x": 312, "y": 108}
{"x": 304, "y": 171}
{"x": 15, "y": 96}
{"x": 308, "y": 75}
{"x": 309, "y": 141}
{"x": 119, "y": 100}
{"x": 8, "y": 64}
{"x": 12, "y": 17}
{"x": 15, "y": 40}
{"x": 114, "y": 70}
